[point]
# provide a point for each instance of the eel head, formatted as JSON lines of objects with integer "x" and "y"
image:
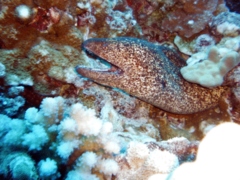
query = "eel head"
{"x": 130, "y": 60}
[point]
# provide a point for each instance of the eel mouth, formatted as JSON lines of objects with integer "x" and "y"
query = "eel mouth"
{"x": 98, "y": 64}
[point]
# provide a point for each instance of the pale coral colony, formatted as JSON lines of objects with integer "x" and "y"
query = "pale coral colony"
{"x": 57, "y": 124}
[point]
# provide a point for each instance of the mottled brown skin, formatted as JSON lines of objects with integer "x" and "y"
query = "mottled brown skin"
{"x": 149, "y": 72}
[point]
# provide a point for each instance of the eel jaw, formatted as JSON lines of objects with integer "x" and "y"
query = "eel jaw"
{"x": 99, "y": 75}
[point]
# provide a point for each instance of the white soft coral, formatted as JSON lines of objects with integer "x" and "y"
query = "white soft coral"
{"x": 66, "y": 148}
{"x": 35, "y": 139}
{"x": 16, "y": 130}
{"x": 108, "y": 167}
{"x": 52, "y": 109}
{"x": 47, "y": 168}
{"x": 87, "y": 160}
{"x": 87, "y": 122}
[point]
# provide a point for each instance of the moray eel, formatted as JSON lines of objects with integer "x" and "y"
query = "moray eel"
{"x": 149, "y": 72}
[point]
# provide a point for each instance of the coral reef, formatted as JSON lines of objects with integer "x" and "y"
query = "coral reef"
{"x": 56, "y": 124}
{"x": 191, "y": 18}
{"x": 226, "y": 24}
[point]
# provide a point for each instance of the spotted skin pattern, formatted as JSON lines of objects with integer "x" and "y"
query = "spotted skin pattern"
{"x": 149, "y": 72}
